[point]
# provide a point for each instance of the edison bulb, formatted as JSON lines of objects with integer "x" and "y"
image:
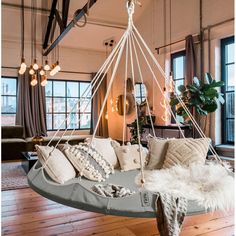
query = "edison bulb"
{"x": 21, "y": 71}
{"x": 43, "y": 80}
{"x": 33, "y": 80}
{"x": 46, "y": 66}
{"x": 42, "y": 72}
{"x": 35, "y": 66}
{"x": 31, "y": 71}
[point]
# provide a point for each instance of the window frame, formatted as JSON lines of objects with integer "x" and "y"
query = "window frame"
{"x": 224, "y": 43}
{"x": 173, "y": 56}
{"x": 16, "y": 96}
{"x": 142, "y": 96}
{"x": 66, "y": 110}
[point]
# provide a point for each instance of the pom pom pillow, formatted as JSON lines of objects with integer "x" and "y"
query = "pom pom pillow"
{"x": 129, "y": 157}
{"x": 89, "y": 162}
{"x": 186, "y": 151}
{"x": 56, "y": 165}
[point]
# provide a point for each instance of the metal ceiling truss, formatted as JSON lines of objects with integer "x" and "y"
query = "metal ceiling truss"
{"x": 61, "y": 20}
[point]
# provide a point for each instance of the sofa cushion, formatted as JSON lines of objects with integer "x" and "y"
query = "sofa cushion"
{"x": 15, "y": 131}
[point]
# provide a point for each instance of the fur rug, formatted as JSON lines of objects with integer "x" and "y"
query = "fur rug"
{"x": 211, "y": 185}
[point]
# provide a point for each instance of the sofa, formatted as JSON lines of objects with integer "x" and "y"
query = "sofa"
{"x": 13, "y": 143}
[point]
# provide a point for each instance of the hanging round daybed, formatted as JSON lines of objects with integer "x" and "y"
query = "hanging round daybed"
{"x": 77, "y": 192}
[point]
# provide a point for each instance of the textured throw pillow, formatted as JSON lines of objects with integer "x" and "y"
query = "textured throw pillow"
{"x": 129, "y": 156}
{"x": 57, "y": 166}
{"x": 89, "y": 162}
{"x": 186, "y": 151}
{"x": 157, "y": 151}
{"x": 104, "y": 147}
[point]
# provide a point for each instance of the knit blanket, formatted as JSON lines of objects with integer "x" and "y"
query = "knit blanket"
{"x": 112, "y": 190}
{"x": 170, "y": 214}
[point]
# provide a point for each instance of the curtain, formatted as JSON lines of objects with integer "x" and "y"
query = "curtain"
{"x": 190, "y": 65}
{"x": 97, "y": 102}
{"x": 31, "y": 107}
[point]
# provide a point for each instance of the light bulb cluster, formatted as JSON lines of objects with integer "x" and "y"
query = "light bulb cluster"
{"x": 41, "y": 70}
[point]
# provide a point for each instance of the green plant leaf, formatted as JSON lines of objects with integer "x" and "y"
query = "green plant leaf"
{"x": 211, "y": 93}
{"x": 208, "y": 78}
{"x": 201, "y": 111}
{"x": 210, "y": 107}
{"x": 220, "y": 98}
{"x": 181, "y": 88}
{"x": 192, "y": 88}
{"x": 217, "y": 84}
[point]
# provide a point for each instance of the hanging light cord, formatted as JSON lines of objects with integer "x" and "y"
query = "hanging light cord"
{"x": 23, "y": 29}
{"x": 35, "y": 23}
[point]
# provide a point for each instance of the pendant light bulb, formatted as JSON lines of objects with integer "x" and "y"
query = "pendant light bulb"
{"x": 35, "y": 66}
{"x": 43, "y": 80}
{"x": 31, "y": 71}
{"x": 23, "y": 65}
{"x": 21, "y": 71}
{"x": 171, "y": 77}
{"x": 57, "y": 68}
{"x": 33, "y": 81}
{"x": 53, "y": 71}
{"x": 42, "y": 72}
{"x": 46, "y": 66}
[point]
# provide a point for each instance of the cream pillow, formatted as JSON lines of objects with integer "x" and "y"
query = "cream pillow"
{"x": 157, "y": 151}
{"x": 186, "y": 151}
{"x": 104, "y": 147}
{"x": 57, "y": 166}
{"x": 89, "y": 162}
{"x": 129, "y": 158}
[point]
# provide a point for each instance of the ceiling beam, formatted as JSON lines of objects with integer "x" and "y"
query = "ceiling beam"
{"x": 78, "y": 15}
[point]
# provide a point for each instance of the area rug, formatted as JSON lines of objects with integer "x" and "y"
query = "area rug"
{"x": 13, "y": 176}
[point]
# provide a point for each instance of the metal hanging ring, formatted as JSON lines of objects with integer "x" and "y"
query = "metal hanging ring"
{"x": 75, "y": 21}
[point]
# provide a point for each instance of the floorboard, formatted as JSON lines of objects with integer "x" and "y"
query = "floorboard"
{"x": 24, "y": 212}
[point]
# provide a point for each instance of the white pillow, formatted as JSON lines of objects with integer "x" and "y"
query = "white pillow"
{"x": 129, "y": 157}
{"x": 89, "y": 162}
{"x": 104, "y": 147}
{"x": 57, "y": 166}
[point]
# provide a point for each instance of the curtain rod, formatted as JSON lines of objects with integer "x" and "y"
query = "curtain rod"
{"x": 62, "y": 71}
{"x": 205, "y": 28}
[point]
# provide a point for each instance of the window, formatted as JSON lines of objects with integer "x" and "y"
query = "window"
{"x": 8, "y": 96}
{"x": 178, "y": 71}
{"x": 140, "y": 92}
{"x": 61, "y": 97}
{"x": 178, "y": 68}
{"x": 227, "y": 63}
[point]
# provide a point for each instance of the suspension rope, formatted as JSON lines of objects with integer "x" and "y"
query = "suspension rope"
{"x": 110, "y": 84}
{"x": 97, "y": 87}
{"x": 136, "y": 112}
{"x": 125, "y": 94}
{"x": 142, "y": 81}
{"x": 89, "y": 88}
{"x": 215, "y": 155}
{"x": 155, "y": 79}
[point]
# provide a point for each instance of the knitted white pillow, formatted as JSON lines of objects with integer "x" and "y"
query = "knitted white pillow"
{"x": 57, "y": 166}
{"x": 129, "y": 157}
{"x": 104, "y": 147}
{"x": 89, "y": 162}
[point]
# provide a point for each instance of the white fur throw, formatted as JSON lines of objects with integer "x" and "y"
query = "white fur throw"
{"x": 210, "y": 185}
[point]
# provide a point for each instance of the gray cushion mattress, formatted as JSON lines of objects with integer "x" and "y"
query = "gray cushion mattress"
{"x": 77, "y": 193}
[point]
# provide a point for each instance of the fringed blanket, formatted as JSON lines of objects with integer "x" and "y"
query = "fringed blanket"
{"x": 211, "y": 185}
{"x": 170, "y": 214}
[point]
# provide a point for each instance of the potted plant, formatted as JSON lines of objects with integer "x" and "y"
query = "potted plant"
{"x": 200, "y": 97}
{"x": 134, "y": 129}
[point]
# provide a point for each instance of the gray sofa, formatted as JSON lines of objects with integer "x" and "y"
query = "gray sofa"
{"x": 13, "y": 142}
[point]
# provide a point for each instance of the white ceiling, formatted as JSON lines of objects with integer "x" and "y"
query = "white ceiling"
{"x": 92, "y": 36}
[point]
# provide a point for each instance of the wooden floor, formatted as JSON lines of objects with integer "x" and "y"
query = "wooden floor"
{"x": 24, "y": 212}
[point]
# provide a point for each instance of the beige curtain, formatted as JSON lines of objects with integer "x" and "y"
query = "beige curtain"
{"x": 97, "y": 102}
